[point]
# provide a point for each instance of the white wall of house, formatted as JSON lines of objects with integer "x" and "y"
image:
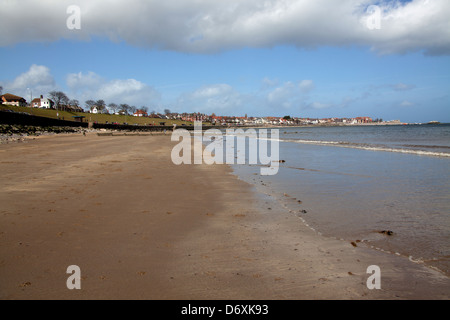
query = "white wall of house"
{"x": 14, "y": 103}
{"x": 45, "y": 104}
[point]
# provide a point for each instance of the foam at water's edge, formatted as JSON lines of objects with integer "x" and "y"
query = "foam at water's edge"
{"x": 370, "y": 148}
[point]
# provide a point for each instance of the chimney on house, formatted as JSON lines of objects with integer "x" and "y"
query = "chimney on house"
{"x": 42, "y": 97}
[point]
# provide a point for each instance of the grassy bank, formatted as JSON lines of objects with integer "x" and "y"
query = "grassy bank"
{"x": 99, "y": 118}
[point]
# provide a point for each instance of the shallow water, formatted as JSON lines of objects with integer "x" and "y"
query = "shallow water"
{"x": 353, "y": 192}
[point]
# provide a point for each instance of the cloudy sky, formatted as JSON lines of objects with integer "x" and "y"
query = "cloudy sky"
{"x": 304, "y": 58}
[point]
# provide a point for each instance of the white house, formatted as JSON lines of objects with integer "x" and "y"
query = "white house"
{"x": 46, "y": 103}
{"x": 94, "y": 109}
{"x": 42, "y": 102}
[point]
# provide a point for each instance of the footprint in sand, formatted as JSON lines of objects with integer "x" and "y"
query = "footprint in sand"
{"x": 278, "y": 279}
{"x": 25, "y": 284}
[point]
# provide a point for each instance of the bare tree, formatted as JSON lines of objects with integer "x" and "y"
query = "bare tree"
{"x": 89, "y": 104}
{"x": 144, "y": 108}
{"x": 1, "y": 90}
{"x": 101, "y": 105}
{"x": 59, "y": 98}
{"x": 125, "y": 108}
{"x": 133, "y": 109}
{"x": 166, "y": 111}
{"x": 74, "y": 102}
{"x": 113, "y": 107}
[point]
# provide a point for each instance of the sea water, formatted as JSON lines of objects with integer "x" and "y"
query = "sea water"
{"x": 355, "y": 181}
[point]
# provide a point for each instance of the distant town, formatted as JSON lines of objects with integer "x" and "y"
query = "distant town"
{"x": 57, "y": 100}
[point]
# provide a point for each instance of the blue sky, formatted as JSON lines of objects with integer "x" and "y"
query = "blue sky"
{"x": 237, "y": 58}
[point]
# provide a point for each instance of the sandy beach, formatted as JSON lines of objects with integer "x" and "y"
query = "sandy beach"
{"x": 140, "y": 227}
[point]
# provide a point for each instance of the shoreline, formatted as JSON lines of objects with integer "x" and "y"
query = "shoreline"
{"x": 140, "y": 227}
{"x": 293, "y": 206}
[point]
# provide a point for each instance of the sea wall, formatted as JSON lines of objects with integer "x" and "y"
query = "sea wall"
{"x": 25, "y": 119}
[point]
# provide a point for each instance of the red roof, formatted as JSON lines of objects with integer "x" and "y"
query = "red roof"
{"x": 11, "y": 97}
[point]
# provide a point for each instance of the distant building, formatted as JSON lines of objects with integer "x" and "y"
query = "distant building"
{"x": 43, "y": 103}
{"x": 140, "y": 113}
{"x": 74, "y": 108}
{"x": 13, "y": 100}
{"x": 94, "y": 109}
{"x": 36, "y": 103}
{"x": 363, "y": 119}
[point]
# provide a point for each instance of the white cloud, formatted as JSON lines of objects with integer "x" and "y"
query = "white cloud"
{"x": 93, "y": 86}
{"x": 209, "y": 26}
{"x": 269, "y": 83}
{"x": 282, "y": 94}
{"x": 289, "y": 94}
{"x": 224, "y": 99}
{"x": 406, "y": 103}
{"x": 212, "y": 91}
{"x": 218, "y": 98}
{"x": 306, "y": 85}
{"x": 80, "y": 81}
{"x": 319, "y": 105}
{"x": 35, "y": 81}
{"x": 403, "y": 87}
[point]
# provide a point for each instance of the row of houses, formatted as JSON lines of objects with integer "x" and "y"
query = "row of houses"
{"x": 310, "y": 121}
{"x": 46, "y": 103}
{"x": 41, "y": 102}
{"x": 279, "y": 120}
{"x": 137, "y": 113}
{"x": 234, "y": 120}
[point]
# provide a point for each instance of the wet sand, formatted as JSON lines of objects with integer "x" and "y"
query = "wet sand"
{"x": 140, "y": 227}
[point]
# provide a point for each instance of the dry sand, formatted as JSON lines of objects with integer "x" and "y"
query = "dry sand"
{"x": 140, "y": 227}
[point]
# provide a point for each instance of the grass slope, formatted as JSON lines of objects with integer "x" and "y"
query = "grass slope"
{"x": 99, "y": 118}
